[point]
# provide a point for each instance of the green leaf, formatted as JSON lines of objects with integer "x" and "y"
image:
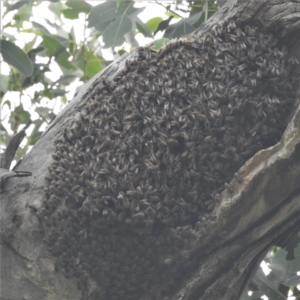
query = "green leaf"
{"x": 130, "y": 38}
{"x": 43, "y": 111}
{"x": 72, "y": 41}
{"x": 64, "y": 100}
{"x": 30, "y": 44}
{"x": 269, "y": 288}
{"x": 23, "y": 14}
{"x": 16, "y": 57}
{"x": 40, "y": 29}
{"x": 34, "y": 51}
{"x": 76, "y": 7}
{"x": 57, "y": 92}
{"x": 113, "y": 35}
{"x": 2, "y": 128}
{"x": 297, "y": 250}
{"x": 283, "y": 268}
{"x": 121, "y": 51}
{"x": 17, "y": 5}
{"x": 7, "y": 102}
{"x": 53, "y": 25}
{"x": 35, "y": 136}
{"x": 153, "y": 23}
{"x": 101, "y": 27}
{"x": 63, "y": 40}
{"x": 8, "y": 36}
{"x": 56, "y": 49}
{"x": 78, "y": 72}
{"x": 24, "y": 117}
{"x": 133, "y": 12}
{"x": 19, "y": 116}
{"x": 102, "y": 13}
{"x": 160, "y": 43}
{"x": 120, "y": 3}
{"x": 178, "y": 29}
{"x": 278, "y": 263}
{"x": 47, "y": 94}
{"x": 293, "y": 281}
{"x": 90, "y": 64}
{"x": 3, "y": 83}
{"x": 70, "y": 13}
{"x": 56, "y": 8}
{"x": 65, "y": 79}
{"x": 143, "y": 28}
{"x": 93, "y": 64}
{"x": 79, "y": 5}
{"x": 294, "y": 265}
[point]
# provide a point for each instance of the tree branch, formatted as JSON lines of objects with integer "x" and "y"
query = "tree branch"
{"x": 260, "y": 204}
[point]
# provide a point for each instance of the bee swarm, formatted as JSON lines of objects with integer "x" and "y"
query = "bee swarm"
{"x": 136, "y": 176}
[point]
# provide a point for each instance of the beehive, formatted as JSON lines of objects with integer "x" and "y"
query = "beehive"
{"x": 149, "y": 155}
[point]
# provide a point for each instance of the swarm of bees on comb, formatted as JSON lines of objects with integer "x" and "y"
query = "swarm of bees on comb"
{"x": 137, "y": 174}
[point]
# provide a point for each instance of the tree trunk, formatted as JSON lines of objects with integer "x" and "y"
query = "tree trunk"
{"x": 259, "y": 208}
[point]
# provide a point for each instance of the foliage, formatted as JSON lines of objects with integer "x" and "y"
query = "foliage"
{"x": 282, "y": 280}
{"x": 28, "y": 92}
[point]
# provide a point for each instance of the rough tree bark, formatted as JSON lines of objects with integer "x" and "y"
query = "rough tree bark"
{"x": 260, "y": 209}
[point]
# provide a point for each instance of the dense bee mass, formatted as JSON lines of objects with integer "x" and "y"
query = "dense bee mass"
{"x": 135, "y": 177}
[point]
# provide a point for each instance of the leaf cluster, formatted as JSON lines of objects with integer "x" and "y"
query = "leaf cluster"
{"x": 29, "y": 88}
{"x": 282, "y": 280}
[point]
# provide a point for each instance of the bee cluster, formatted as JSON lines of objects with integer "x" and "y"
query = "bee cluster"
{"x": 141, "y": 166}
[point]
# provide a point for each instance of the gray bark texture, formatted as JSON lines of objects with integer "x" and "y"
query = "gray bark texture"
{"x": 258, "y": 209}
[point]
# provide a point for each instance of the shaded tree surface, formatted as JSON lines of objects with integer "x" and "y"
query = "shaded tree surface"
{"x": 210, "y": 246}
